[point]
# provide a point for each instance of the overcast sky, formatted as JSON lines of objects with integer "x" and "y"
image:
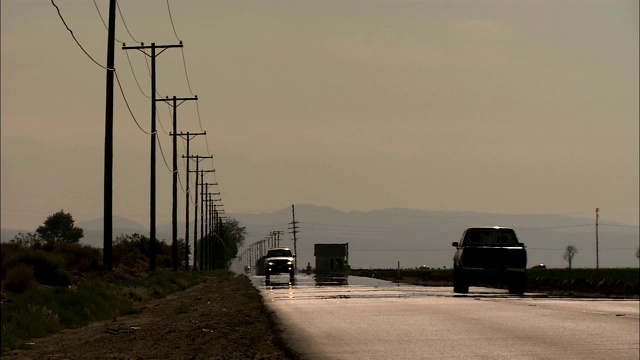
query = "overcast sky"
{"x": 519, "y": 106}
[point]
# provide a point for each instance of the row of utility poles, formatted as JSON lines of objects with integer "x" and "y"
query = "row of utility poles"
{"x": 210, "y": 211}
{"x": 257, "y": 250}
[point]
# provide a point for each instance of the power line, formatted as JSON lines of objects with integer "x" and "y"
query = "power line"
{"x": 184, "y": 63}
{"x": 127, "y": 103}
{"x": 171, "y": 18}
{"x": 149, "y": 69}
{"x": 124, "y": 22}
{"x": 75, "y": 39}
{"x": 160, "y": 121}
{"x": 104, "y": 22}
{"x": 135, "y": 77}
{"x": 162, "y": 153}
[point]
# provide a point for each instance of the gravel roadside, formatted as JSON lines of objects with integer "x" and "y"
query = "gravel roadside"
{"x": 222, "y": 318}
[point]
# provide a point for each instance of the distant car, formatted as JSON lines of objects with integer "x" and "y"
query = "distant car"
{"x": 279, "y": 261}
{"x": 540, "y": 266}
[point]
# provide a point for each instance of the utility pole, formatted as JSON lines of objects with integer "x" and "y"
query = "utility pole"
{"x": 188, "y": 137}
{"x": 195, "y": 226}
{"x": 216, "y": 242}
{"x": 154, "y": 134}
{"x": 294, "y": 231}
{"x": 204, "y": 242}
{"x": 108, "y": 144}
{"x": 277, "y": 234}
{"x": 597, "y": 240}
{"x": 174, "y": 208}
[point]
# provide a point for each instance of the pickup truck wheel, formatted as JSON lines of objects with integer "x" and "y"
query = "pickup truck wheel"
{"x": 460, "y": 288}
{"x": 460, "y": 284}
{"x": 516, "y": 287}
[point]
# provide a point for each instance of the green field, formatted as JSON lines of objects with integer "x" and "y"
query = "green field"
{"x": 613, "y": 283}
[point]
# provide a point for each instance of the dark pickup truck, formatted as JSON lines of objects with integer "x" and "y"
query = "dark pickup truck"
{"x": 489, "y": 255}
{"x": 279, "y": 261}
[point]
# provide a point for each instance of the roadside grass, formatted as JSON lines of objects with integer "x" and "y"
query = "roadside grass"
{"x": 626, "y": 275}
{"x": 603, "y": 282}
{"x": 46, "y": 310}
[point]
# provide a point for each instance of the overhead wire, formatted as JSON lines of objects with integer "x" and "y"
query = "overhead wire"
{"x": 75, "y": 39}
{"x": 138, "y": 83}
{"x": 171, "y": 18}
{"x": 160, "y": 121}
{"x": 186, "y": 73}
{"x": 208, "y": 147}
{"x": 124, "y": 22}
{"x": 104, "y": 22}
{"x": 146, "y": 59}
{"x": 124, "y": 97}
{"x": 162, "y": 153}
{"x": 129, "y": 107}
{"x": 184, "y": 63}
{"x": 135, "y": 77}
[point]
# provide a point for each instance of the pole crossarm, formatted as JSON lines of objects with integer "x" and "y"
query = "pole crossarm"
{"x": 198, "y": 157}
{"x": 175, "y": 99}
{"x": 153, "y": 46}
{"x": 189, "y": 136}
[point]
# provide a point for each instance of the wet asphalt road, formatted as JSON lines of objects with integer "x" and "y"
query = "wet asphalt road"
{"x": 366, "y": 318}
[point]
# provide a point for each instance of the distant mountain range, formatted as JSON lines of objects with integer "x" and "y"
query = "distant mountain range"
{"x": 382, "y": 238}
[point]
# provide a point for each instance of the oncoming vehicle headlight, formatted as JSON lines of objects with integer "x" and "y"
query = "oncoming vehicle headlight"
{"x": 270, "y": 263}
{"x": 289, "y": 262}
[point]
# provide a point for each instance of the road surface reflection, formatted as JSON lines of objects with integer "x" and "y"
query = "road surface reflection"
{"x": 311, "y": 287}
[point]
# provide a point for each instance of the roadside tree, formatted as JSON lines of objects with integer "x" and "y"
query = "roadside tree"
{"x": 233, "y": 236}
{"x": 569, "y": 253}
{"x": 60, "y": 228}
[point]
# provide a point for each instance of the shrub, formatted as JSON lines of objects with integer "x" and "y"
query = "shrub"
{"x": 79, "y": 258}
{"x": 129, "y": 249}
{"x": 165, "y": 261}
{"x": 9, "y": 249}
{"x": 19, "y": 279}
{"x": 48, "y": 268}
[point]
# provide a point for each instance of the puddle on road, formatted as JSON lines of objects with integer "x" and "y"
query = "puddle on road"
{"x": 306, "y": 287}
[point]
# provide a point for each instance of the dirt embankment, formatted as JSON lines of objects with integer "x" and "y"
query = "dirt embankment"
{"x": 223, "y": 318}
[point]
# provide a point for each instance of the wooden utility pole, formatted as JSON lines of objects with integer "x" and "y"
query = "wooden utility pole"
{"x": 196, "y": 198}
{"x": 277, "y": 234}
{"x": 174, "y": 207}
{"x": 205, "y": 260}
{"x": 597, "y": 240}
{"x": 188, "y": 136}
{"x": 154, "y": 134}
{"x": 108, "y": 144}
{"x": 294, "y": 231}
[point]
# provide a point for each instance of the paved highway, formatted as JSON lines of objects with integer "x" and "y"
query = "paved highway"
{"x": 374, "y": 319}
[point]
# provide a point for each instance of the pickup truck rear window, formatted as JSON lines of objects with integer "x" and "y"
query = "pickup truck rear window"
{"x": 279, "y": 253}
{"x": 490, "y": 237}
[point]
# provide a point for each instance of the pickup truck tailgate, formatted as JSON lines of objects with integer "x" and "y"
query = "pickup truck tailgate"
{"x": 495, "y": 258}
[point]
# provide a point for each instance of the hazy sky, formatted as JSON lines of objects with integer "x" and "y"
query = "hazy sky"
{"x": 519, "y": 106}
